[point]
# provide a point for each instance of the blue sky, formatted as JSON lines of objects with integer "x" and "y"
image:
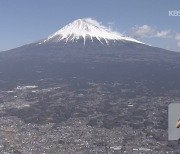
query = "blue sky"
{"x": 23, "y": 22}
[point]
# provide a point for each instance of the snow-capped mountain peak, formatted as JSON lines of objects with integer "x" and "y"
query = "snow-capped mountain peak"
{"x": 87, "y": 29}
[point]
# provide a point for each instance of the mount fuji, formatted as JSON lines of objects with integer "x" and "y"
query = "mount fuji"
{"x": 86, "y": 29}
{"x": 87, "y": 89}
{"x": 89, "y": 51}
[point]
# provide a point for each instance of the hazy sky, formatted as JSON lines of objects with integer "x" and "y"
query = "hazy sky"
{"x": 23, "y": 21}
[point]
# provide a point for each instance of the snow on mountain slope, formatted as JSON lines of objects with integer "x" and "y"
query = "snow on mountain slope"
{"x": 86, "y": 28}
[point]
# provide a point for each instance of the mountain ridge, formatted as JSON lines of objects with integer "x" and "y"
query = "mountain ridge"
{"x": 94, "y": 61}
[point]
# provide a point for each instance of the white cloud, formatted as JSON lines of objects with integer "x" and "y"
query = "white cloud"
{"x": 147, "y": 31}
{"x": 142, "y": 31}
{"x": 111, "y": 25}
{"x": 164, "y": 34}
{"x": 178, "y": 44}
{"x": 178, "y": 39}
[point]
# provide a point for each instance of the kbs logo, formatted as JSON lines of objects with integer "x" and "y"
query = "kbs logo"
{"x": 174, "y": 13}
